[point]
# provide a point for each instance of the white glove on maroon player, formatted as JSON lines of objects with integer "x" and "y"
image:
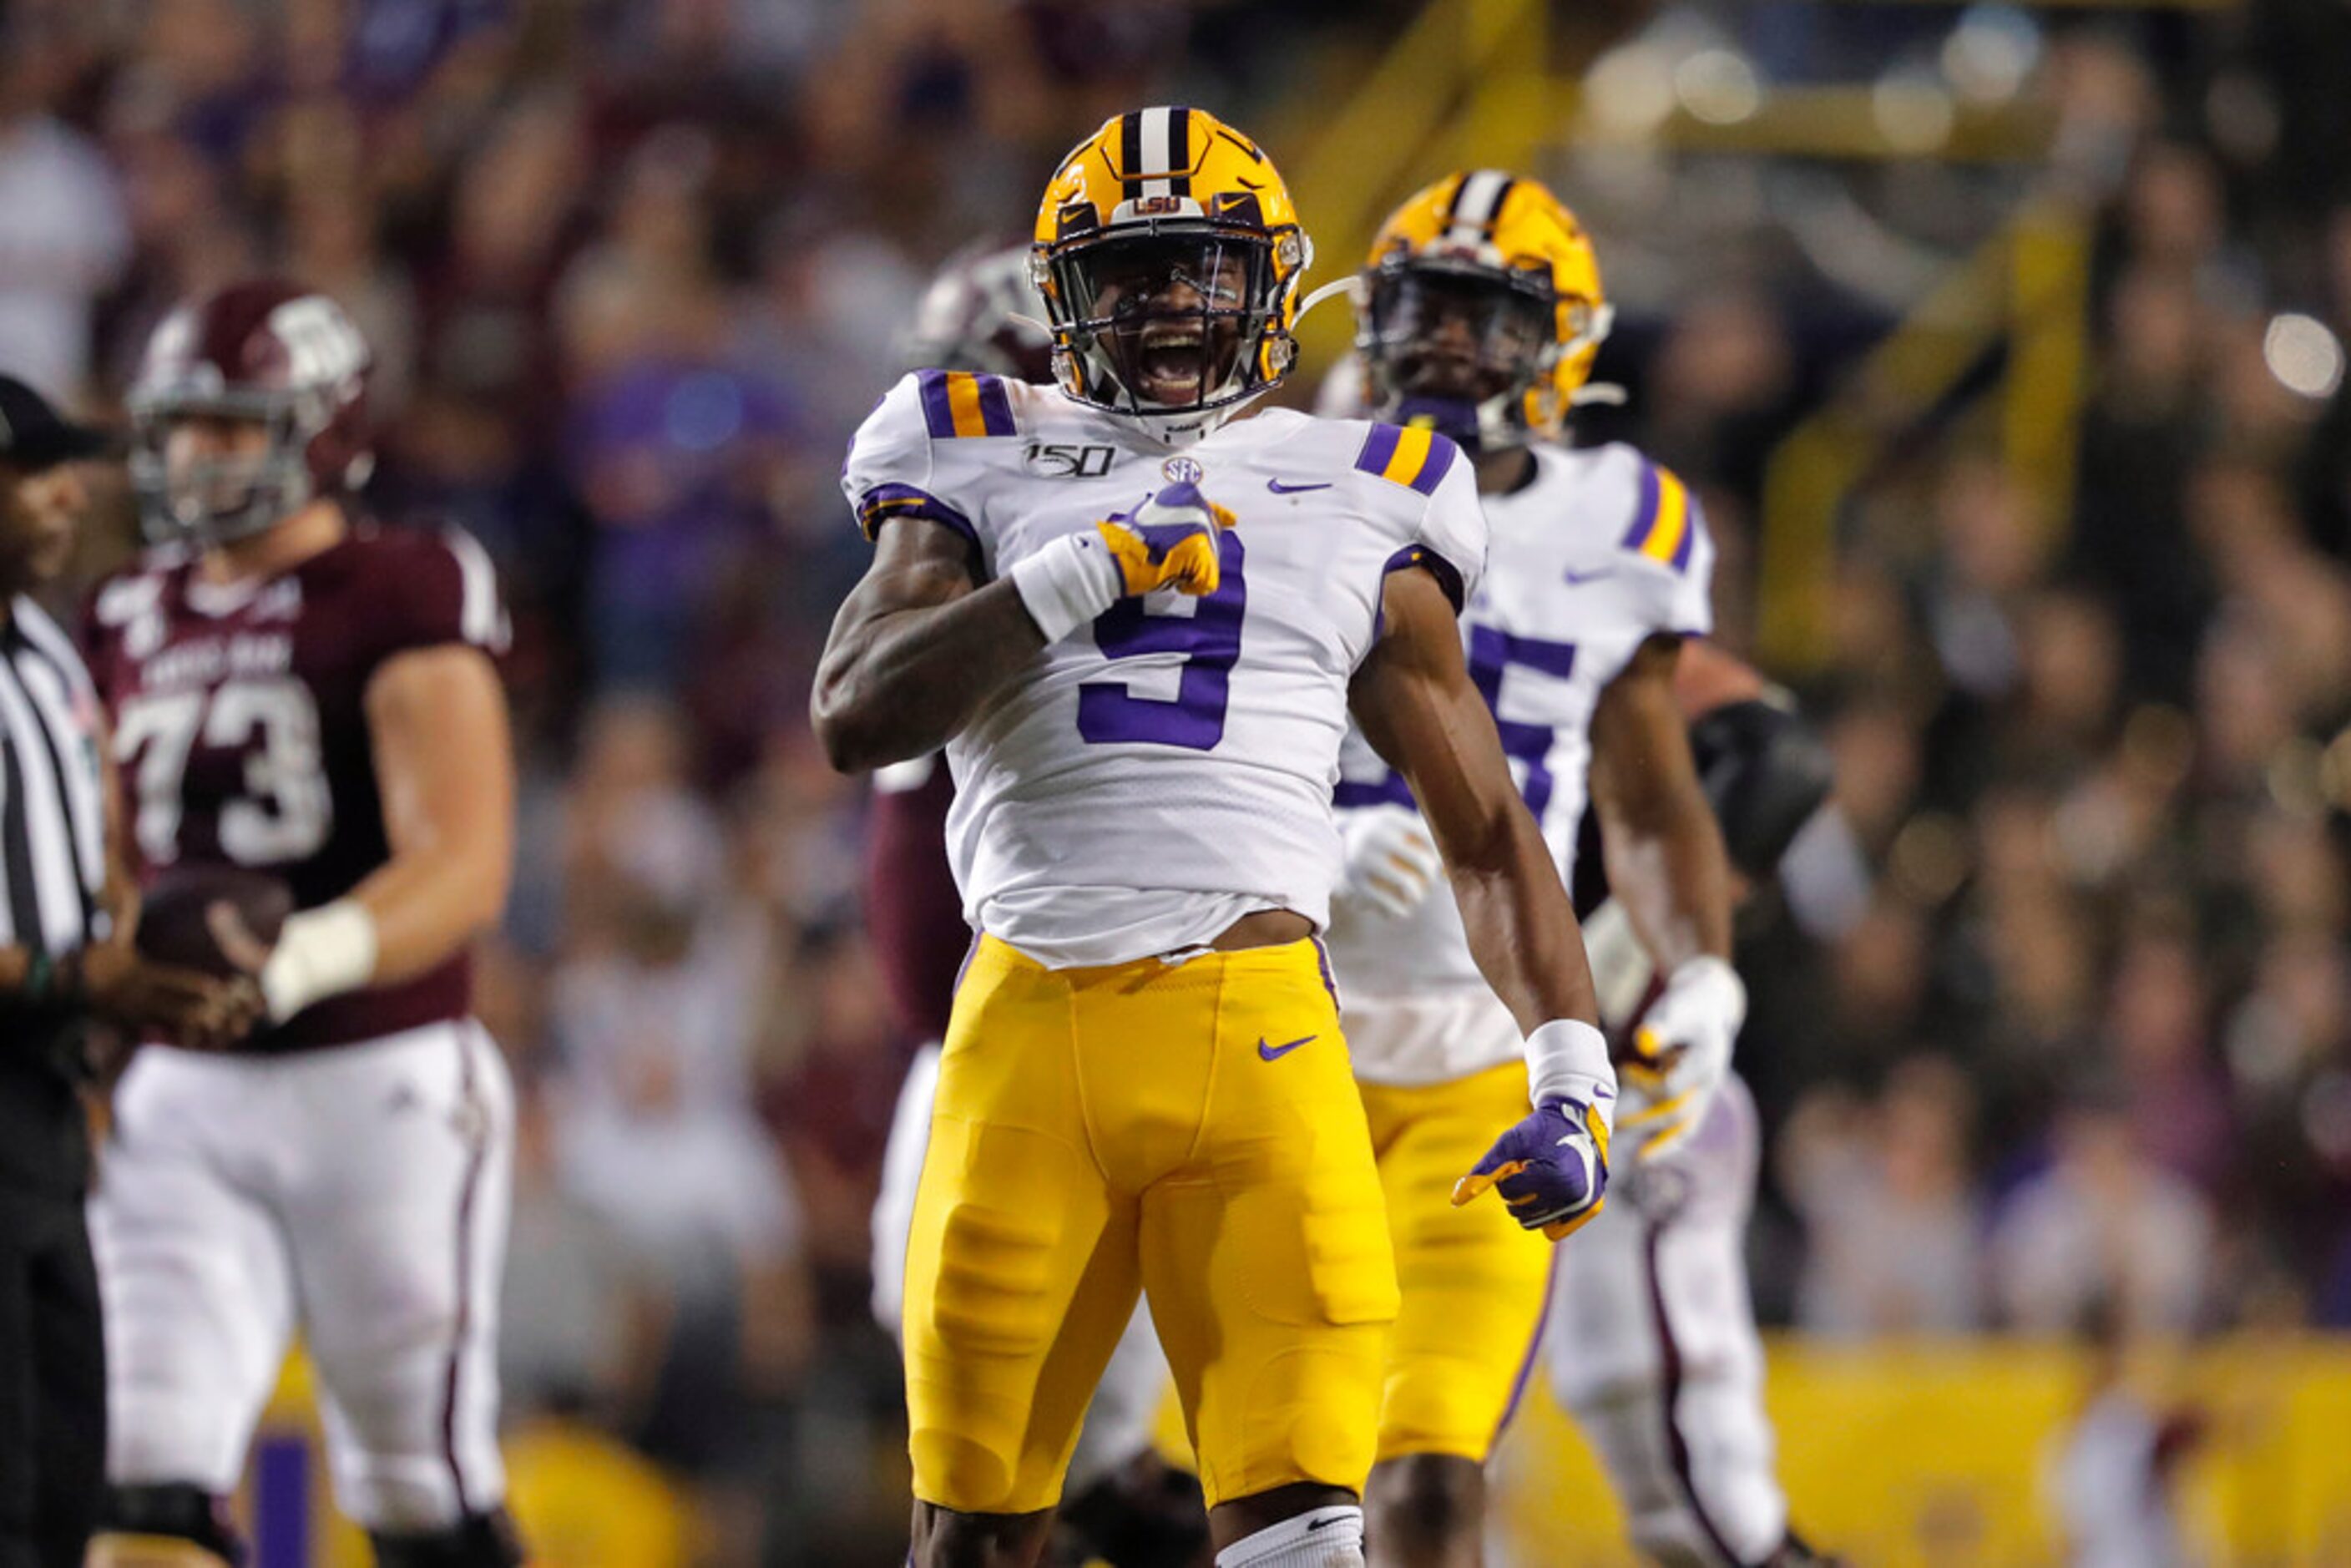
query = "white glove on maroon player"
{"x": 1681, "y": 1053}
{"x": 1391, "y": 861}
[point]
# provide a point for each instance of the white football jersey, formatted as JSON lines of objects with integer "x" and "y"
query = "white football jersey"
{"x": 1600, "y": 551}
{"x": 1162, "y": 773}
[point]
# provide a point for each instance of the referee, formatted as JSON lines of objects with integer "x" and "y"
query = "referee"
{"x": 65, "y": 961}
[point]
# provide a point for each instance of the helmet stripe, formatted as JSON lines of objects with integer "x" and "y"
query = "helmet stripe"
{"x": 1479, "y": 200}
{"x": 1130, "y": 153}
{"x": 1179, "y": 150}
{"x": 1157, "y": 151}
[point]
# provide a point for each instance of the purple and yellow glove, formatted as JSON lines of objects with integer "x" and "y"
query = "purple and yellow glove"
{"x": 1169, "y": 541}
{"x": 1551, "y": 1170}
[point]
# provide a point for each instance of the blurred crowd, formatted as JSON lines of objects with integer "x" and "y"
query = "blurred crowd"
{"x": 2054, "y": 1016}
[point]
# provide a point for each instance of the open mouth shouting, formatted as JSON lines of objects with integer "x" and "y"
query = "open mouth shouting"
{"x": 1172, "y": 361}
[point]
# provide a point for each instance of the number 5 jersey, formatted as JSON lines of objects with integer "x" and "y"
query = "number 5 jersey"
{"x": 1161, "y": 774}
{"x": 239, "y": 714}
{"x": 1600, "y": 551}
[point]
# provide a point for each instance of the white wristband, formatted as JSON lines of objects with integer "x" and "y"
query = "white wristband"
{"x": 321, "y": 953}
{"x": 1568, "y": 1060}
{"x": 1068, "y": 582}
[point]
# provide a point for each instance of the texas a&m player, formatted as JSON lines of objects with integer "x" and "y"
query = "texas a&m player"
{"x": 299, "y": 691}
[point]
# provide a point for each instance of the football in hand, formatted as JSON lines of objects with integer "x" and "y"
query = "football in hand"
{"x": 217, "y": 919}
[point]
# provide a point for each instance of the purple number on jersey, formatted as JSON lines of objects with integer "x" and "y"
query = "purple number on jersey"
{"x": 1211, "y": 638}
{"x": 1491, "y": 652}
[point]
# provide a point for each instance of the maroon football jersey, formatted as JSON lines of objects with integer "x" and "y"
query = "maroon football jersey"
{"x": 912, "y": 907}
{"x": 240, "y": 725}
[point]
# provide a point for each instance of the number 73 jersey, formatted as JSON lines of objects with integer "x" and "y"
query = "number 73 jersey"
{"x": 1156, "y": 776}
{"x": 240, "y": 723}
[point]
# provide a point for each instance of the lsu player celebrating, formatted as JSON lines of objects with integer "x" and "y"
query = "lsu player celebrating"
{"x": 1143, "y": 695}
{"x": 1122, "y": 1503}
{"x": 1480, "y": 312}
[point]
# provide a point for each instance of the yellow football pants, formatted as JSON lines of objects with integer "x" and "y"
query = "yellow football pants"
{"x": 1474, "y": 1283}
{"x": 1191, "y": 1130}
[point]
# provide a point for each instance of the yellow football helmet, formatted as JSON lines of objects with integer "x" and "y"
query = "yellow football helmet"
{"x": 1169, "y": 257}
{"x": 1480, "y": 310}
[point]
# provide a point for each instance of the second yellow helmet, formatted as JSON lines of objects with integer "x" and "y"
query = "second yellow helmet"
{"x": 1481, "y": 310}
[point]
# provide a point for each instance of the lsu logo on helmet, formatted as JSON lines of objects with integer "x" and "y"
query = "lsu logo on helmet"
{"x": 1501, "y": 263}
{"x": 1169, "y": 257}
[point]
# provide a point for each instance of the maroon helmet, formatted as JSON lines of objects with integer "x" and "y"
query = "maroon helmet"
{"x": 981, "y": 313}
{"x": 270, "y": 352}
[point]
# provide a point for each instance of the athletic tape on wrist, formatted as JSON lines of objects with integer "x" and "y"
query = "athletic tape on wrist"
{"x": 321, "y": 953}
{"x": 1068, "y": 583}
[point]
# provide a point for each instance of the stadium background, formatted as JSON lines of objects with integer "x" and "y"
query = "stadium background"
{"x": 2005, "y": 344}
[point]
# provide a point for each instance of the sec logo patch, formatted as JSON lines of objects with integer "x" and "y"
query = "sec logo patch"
{"x": 1183, "y": 471}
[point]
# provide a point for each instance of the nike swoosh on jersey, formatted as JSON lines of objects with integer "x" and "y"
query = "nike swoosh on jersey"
{"x": 1279, "y": 488}
{"x": 1578, "y": 579}
{"x": 1276, "y": 1052}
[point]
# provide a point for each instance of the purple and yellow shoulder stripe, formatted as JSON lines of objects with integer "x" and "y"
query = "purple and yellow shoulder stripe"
{"x": 1665, "y": 520}
{"x": 884, "y": 502}
{"x": 964, "y": 402}
{"x": 1409, "y": 455}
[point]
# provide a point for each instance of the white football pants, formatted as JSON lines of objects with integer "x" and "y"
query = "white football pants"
{"x": 359, "y": 1194}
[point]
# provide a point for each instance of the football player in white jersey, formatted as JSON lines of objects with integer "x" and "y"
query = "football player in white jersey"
{"x": 1123, "y": 1505}
{"x": 1481, "y": 310}
{"x": 1143, "y": 694}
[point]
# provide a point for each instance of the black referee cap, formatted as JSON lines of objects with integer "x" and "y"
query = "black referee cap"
{"x": 34, "y": 435}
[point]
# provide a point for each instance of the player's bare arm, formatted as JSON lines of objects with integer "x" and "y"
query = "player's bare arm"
{"x": 445, "y": 764}
{"x": 1416, "y": 704}
{"x": 444, "y": 754}
{"x": 916, "y": 649}
{"x": 1671, "y": 875}
{"x": 1665, "y": 860}
{"x": 909, "y": 664}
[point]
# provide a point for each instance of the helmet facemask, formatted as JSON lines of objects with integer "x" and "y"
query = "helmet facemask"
{"x": 1167, "y": 322}
{"x": 1459, "y": 347}
{"x": 190, "y": 495}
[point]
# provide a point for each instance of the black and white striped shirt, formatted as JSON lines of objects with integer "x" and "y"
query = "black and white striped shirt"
{"x": 52, "y": 789}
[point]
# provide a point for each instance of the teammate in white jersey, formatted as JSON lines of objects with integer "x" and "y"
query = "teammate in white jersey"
{"x": 1143, "y": 694}
{"x": 1481, "y": 310}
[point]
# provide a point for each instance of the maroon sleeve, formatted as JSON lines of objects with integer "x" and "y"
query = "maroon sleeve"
{"x": 911, "y": 908}
{"x": 97, "y": 638}
{"x": 437, "y": 586}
